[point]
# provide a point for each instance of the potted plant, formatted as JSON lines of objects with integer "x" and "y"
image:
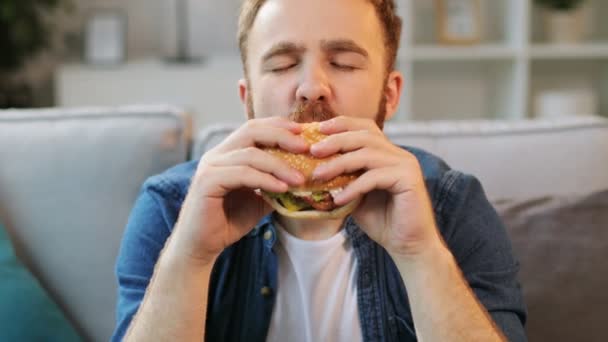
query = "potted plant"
{"x": 25, "y": 31}
{"x": 565, "y": 21}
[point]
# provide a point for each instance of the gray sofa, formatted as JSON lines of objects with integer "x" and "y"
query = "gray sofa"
{"x": 68, "y": 179}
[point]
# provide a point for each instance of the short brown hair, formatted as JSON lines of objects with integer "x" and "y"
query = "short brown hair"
{"x": 385, "y": 9}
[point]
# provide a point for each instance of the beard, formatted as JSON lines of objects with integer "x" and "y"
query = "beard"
{"x": 316, "y": 111}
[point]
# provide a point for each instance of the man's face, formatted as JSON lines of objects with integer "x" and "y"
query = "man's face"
{"x": 327, "y": 53}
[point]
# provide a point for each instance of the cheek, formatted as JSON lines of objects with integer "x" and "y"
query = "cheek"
{"x": 358, "y": 100}
{"x": 271, "y": 100}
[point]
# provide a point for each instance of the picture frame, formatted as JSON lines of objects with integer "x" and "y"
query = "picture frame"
{"x": 458, "y": 22}
{"x": 105, "y": 37}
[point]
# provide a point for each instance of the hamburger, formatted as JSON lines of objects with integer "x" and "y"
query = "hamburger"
{"x": 313, "y": 199}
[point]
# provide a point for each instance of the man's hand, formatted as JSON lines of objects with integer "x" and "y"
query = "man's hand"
{"x": 397, "y": 213}
{"x": 396, "y": 210}
{"x": 220, "y": 208}
{"x": 221, "y": 205}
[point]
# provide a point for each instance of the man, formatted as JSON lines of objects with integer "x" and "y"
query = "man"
{"x": 424, "y": 256}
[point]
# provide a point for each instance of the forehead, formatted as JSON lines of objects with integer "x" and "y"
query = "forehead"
{"x": 309, "y": 22}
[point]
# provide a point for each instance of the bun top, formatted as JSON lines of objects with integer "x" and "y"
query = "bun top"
{"x": 306, "y": 163}
{"x": 311, "y": 133}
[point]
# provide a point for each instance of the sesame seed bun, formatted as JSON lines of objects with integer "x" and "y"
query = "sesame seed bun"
{"x": 306, "y": 164}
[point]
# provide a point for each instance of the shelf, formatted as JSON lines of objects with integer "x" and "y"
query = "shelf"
{"x": 498, "y": 20}
{"x": 595, "y": 29}
{"x": 208, "y": 90}
{"x": 476, "y": 52}
{"x": 497, "y": 78}
{"x": 570, "y": 51}
{"x": 573, "y": 75}
{"x": 440, "y": 89}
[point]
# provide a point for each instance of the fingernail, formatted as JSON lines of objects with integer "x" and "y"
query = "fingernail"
{"x": 294, "y": 126}
{"x": 317, "y": 172}
{"x": 298, "y": 177}
{"x": 316, "y": 147}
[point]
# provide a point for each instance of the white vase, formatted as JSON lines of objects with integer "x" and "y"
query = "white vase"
{"x": 570, "y": 26}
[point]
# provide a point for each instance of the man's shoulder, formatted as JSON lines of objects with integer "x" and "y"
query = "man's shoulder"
{"x": 432, "y": 166}
{"x": 442, "y": 181}
{"x": 174, "y": 181}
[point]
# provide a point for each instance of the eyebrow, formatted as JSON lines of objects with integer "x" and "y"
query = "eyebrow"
{"x": 343, "y": 45}
{"x": 331, "y": 46}
{"x": 283, "y": 48}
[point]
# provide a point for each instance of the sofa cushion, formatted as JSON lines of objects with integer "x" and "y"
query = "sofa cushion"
{"x": 562, "y": 244}
{"x": 27, "y": 313}
{"x": 68, "y": 180}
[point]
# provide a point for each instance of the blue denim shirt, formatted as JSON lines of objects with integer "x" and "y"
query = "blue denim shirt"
{"x": 244, "y": 278}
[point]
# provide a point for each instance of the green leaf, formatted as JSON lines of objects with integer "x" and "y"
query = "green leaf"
{"x": 319, "y": 196}
{"x": 24, "y": 31}
{"x": 7, "y": 12}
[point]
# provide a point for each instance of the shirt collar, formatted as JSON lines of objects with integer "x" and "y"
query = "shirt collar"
{"x": 266, "y": 228}
{"x": 261, "y": 225}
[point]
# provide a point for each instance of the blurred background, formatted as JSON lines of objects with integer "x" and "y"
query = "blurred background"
{"x": 463, "y": 59}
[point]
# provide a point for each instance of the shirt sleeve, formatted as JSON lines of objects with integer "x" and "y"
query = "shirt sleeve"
{"x": 147, "y": 229}
{"x": 480, "y": 244}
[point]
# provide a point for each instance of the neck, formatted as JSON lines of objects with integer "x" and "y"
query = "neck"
{"x": 311, "y": 230}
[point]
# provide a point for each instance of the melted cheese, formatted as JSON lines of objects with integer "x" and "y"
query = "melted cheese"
{"x": 333, "y": 192}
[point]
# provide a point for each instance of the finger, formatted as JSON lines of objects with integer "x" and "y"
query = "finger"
{"x": 255, "y": 203}
{"x": 341, "y": 124}
{"x": 346, "y": 142}
{"x": 364, "y": 158}
{"x": 260, "y": 134}
{"x": 282, "y": 122}
{"x": 261, "y": 161}
{"x": 377, "y": 179}
{"x": 222, "y": 180}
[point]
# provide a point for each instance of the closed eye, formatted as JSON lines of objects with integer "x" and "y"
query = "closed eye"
{"x": 283, "y": 68}
{"x": 344, "y": 67}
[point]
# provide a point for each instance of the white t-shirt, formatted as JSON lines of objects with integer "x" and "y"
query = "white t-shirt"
{"x": 316, "y": 299}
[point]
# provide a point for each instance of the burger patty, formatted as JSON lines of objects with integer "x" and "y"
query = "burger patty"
{"x": 322, "y": 200}
{"x": 324, "y": 203}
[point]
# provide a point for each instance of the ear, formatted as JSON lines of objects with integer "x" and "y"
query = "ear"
{"x": 243, "y": 93}
{"x": 392, "y": 92}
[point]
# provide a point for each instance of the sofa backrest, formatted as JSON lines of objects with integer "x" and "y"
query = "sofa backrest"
{"x": 68, "y": 180}
{"x": 512, "y": 159}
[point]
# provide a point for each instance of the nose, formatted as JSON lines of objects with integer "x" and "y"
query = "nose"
{"x": 314, "y": 84}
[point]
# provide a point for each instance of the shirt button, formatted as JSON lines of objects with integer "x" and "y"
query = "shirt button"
{"x": 267, "y": 235}
{"x": 265, "y": 291}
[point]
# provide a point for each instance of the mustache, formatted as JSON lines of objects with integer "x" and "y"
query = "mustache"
{"x": 305, "y": 112}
